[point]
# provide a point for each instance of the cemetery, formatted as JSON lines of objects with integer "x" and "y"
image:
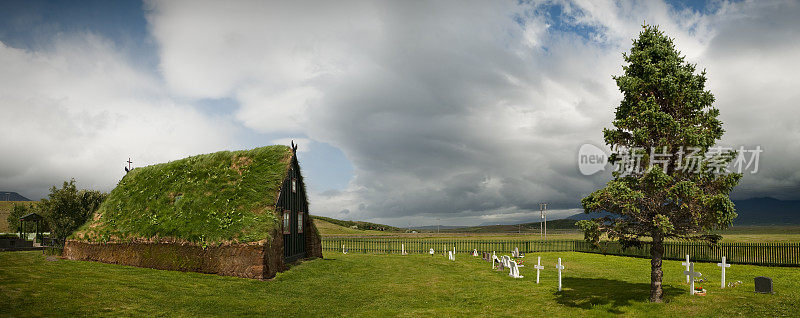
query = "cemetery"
{"x": 396, "y": 285}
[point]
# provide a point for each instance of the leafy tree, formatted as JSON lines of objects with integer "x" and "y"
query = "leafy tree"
{"x": 68, "y": 208}
{"x": 19, "y": 211}
{"x": 664, "y": 123}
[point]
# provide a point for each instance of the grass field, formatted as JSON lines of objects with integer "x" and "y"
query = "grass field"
{"x": 386, "y": 285}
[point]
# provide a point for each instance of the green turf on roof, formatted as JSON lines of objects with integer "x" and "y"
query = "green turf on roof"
{"x": 223, "y": 197}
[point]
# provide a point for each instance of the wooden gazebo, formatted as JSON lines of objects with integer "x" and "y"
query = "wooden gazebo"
{"x": 31, "y": 217}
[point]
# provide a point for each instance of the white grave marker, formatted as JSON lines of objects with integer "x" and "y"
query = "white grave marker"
{"x": 686, "y": 263}
{"x": 538, "y": 267}
{"x": 514, "y": 270}
{"x": 432, "y": 252}
{"x": 692, "y": 274}
{"x": 475, "y": 252}
{"x": 506, "y": 260}
{"x": 343, "y": 251}
{"x": 723, "y": 265}
{"x": 496, "y": 260}
{"x": 451, "y": 256}
{"x": 559, "y": 267}
{"x": 403, "y": 247}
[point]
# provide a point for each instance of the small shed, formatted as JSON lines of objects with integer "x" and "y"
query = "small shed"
{"x": 235, "y": 213}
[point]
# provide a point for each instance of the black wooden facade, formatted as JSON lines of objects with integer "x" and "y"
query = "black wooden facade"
{"x": 293, "y": 206}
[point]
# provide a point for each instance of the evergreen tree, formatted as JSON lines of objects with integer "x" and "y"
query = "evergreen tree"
{"x": 662, "y": 128}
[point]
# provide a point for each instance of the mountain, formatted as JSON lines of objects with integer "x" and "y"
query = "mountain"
{"x": 12, "y": 196}
{"x": 755, "y": 211}
{"x": 767, "y": 211}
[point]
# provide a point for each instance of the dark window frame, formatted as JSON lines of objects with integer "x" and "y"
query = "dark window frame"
{"x": 300, "y": 220}
{"x": 287, "y": 222}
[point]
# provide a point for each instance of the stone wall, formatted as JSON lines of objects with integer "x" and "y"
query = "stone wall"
{"x": 259, "y": 261}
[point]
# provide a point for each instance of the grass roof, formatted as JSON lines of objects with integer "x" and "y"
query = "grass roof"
{"x": 223, "y": 197}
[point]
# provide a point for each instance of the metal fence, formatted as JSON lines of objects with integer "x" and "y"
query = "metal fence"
{"x": 772, "y": 254}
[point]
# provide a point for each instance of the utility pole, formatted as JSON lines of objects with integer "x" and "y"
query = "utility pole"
{"x": 543, "y": 214}
{"x": 438, "y": 223}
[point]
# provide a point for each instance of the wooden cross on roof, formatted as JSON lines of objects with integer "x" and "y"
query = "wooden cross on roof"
{"x": 128, "y": 168}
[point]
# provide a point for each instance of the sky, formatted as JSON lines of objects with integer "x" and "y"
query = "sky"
{"x": 406, "y": 113}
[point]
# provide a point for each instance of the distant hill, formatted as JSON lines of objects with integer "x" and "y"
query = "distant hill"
{"x": 12, "y": 196}
{"x": 561, "y": 224}
{"x": 584, "y": 216}
{"x": 767, "y": 211}
{"x": 755, "y": 211}
{"x": 435, "y": 227}
{"x": 359, "y": 225}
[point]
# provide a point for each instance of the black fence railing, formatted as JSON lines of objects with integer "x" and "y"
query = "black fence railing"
{"x": 771, "y": 254}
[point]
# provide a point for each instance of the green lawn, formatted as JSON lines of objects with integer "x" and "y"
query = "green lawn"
{"x": 385, "y": 285}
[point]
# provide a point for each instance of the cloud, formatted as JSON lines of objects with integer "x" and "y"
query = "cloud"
{"x": 79, "y": 109}
{"x": 468, "y": 112}
{"x": 462, "y": 111}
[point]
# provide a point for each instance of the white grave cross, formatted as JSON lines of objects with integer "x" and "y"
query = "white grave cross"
{"x": 723, "y": 265}
{"x": 451, "y": 256}
{"x": 403, "y": 247}
{"x": 496, "y": 260}
{"x": 692, "y": 274}
{"x": 559, "y": 267}
{"x": 686, "y": 263}
{"x": 538, "y": 267}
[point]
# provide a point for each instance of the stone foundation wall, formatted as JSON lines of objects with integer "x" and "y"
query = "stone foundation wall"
{"x": 242, "y": 260}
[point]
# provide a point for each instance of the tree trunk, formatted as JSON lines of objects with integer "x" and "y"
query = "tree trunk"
{"x": 656, "y": 254}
